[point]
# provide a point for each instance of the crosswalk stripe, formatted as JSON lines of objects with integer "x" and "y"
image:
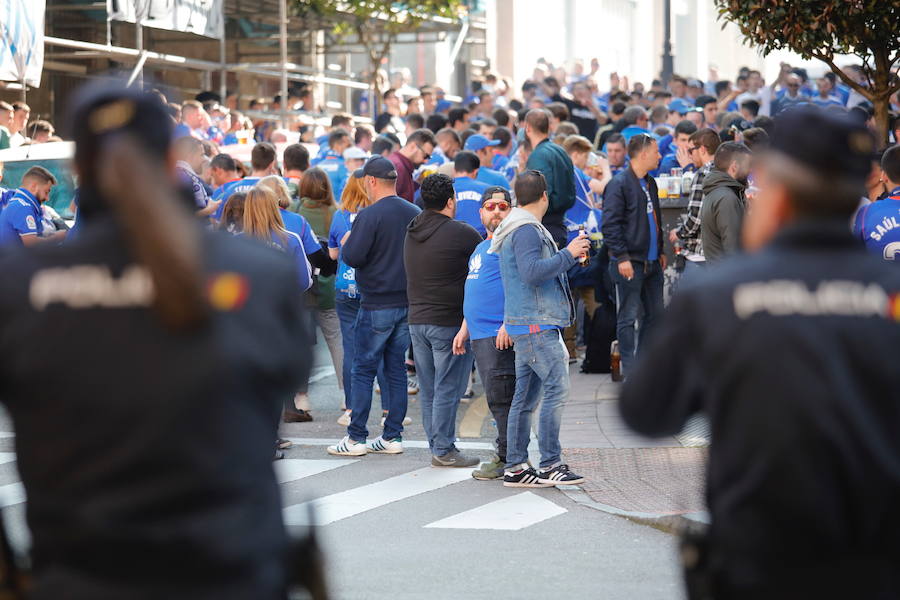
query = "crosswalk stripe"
{"x": 342, "y": 505}
{"x": 12, "y": 493}
{"x": 512, "y": 513}
{"x": 7, "y": 457}
{"x": 417, "y": 444}
{"x": 292, "y": 469}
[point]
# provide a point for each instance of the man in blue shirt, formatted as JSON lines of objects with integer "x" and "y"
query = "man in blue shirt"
{"x": 20, "y": 221}
{"x": 483, "y": 324}
{"x": 680, "y": 155}
{"x": 332, "y": 162}
{"x": 469, "y": 191}
{"x": 632, "y": 233}
{"x": 878, "y": 224}
{"x": 263, "y": 162}
{"x": 636, "y": 120}
{"x": 374, "y": 248}
{"x": 193, "y": 117}
{"x": 481, "y": 146}
{"x": 501, "y": 151}
{"x": 537, "y": 304}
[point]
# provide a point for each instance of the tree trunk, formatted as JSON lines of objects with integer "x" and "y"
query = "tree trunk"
{"x": 882, "y": 106}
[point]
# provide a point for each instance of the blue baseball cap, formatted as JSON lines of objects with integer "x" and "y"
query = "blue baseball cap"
{"x": 478, "y": 142}
{"x": 679, "y": 105}
{"x": 377, "y": 166}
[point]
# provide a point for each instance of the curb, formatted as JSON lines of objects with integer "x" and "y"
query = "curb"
{"x": 672, "y": 523}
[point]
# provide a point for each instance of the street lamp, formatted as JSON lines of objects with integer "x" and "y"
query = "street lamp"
{"x": 668, "y": 66}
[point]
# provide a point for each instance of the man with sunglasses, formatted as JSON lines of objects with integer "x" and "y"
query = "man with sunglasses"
{"x": 483, "y": 324}
{"x": 417, "y": 151}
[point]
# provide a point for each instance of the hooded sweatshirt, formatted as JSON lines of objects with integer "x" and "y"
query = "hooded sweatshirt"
{"x": 436, "y": 256}
{"x": 721, "y": 215}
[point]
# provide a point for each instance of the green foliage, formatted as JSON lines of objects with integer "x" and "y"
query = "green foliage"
{"x": 812, "y": 27}
{"x": 824, "y": 28}
{"x": 387, "y": 15}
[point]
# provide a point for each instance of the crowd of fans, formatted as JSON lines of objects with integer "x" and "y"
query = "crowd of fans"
{"x": 603, "y": 157}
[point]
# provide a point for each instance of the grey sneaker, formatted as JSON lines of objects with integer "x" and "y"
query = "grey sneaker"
{"x": 489, "y": 470}
{"x": 454, "y": 459}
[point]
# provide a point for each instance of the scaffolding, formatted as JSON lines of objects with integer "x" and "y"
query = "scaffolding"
{"x": 263, "y": 51}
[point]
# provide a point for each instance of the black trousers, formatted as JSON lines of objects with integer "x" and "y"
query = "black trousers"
{"x": 497, "y": 369}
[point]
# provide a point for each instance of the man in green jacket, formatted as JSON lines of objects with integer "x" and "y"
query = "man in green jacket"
{"x": 722, "y": 213}
{"x": 556, "y": 166}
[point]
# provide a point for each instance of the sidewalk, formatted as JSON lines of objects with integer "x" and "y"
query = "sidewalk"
{"x": 628, "y": 474}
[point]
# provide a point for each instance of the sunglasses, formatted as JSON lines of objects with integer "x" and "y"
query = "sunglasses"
{"x": 427, "y": 155}
{"x": 489, "y": 206}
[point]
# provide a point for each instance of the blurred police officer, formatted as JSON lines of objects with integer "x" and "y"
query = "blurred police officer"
{"x": 145, "y": 448}
{"x": 792, "y": 352}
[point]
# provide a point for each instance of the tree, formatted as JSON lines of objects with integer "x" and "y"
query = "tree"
{"x": 376, "y": 24}
{"x": 824, "y": 28}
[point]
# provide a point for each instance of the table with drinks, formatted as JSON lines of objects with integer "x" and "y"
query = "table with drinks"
{"x": 673, "y": 189}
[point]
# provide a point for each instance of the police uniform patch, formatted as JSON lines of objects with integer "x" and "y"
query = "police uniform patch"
{"x": 29, "y": 222}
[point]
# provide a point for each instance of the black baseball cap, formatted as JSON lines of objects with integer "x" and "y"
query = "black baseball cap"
{"x": 496, "y": 189}
{"x": 826, "y": 142}
{"x": 377, "y": 166}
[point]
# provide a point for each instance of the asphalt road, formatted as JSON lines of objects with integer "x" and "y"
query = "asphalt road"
{"x": 393, "y": 526}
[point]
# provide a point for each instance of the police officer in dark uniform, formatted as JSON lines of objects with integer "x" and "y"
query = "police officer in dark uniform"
{"x": 792, "y": 351}
{"x": 146, "y": 450}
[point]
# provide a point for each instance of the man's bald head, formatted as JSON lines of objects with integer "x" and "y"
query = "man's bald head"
{"x": 538, "y": 120}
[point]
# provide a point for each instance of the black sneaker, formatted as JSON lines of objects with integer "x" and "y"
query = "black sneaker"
{"x": 560, "y": 475}
{"x": 524, "y": 477}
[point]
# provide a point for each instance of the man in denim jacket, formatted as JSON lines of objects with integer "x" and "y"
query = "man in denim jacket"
{"x": 537, "y": 305}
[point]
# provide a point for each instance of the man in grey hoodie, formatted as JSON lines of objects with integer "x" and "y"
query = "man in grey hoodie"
{"x": 436, "y": 256}
{"x": 724, "y": 206}
{"x": 537, "y": 306}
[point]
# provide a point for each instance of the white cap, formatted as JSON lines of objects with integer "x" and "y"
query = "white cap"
{"x": 353, "y": 152}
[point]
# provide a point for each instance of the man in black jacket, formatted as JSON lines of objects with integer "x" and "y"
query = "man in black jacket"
{"x": 436, "y": 256}
{"x": 374, "y": 247}
{"x": 792, "y": 352}
{"x": 633, "y": 234}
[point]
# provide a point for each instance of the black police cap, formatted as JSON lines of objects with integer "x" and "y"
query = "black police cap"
{"x": 829, "y": 144}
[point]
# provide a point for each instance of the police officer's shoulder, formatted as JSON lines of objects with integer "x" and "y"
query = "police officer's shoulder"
{"x": 244, "y": 253}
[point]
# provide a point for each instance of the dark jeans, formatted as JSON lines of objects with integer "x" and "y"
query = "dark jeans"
{"x": 644, "y": 291}
{"x": 497, "y": 369}
{"x": 382, "y": 337}
{"x": 346, "y": 310}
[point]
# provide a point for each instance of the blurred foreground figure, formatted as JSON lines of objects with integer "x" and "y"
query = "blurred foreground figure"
{"x": 146, "y": 450}
{"x": 792, "y": 352}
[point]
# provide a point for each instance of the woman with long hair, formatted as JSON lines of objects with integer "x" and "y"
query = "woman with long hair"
{"x": 353, "y": 200}
{"x": 262, "y": 221}
{"x": 232, "y": 219}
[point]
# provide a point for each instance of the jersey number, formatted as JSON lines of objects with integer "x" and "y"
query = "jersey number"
{"x": 891, "y": 251}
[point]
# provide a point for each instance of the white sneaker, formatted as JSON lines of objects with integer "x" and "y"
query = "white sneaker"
{"x": 382, "y": 446}
{"x": 348, "y": 447}
{"x": 344, "y": 419}
{"x": 412, "y": 385}
{"x": 406, "y": 420}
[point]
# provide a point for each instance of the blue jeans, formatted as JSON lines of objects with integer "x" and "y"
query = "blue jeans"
{"x": 382, "y": 338}
{"x": 442, "y": 381}
{"x": 346, "y": 310}
{"x": 541, "y": 361}
{"x": 644, "y": 291}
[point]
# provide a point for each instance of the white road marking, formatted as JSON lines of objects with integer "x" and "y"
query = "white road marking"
{"x": 418, "y": 444}
{"x": 292, "y": 469}
{"x": 348, "y": 503}
{"x": 512, "y": 513}
{"x": 7, "y": 457}
{"x": 12, "y": 493}
{"x": 321, "y": 373}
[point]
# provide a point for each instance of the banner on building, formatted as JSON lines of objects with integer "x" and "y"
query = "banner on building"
{"x": 200, "y": 17}
{"x": 22, "y": 41}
